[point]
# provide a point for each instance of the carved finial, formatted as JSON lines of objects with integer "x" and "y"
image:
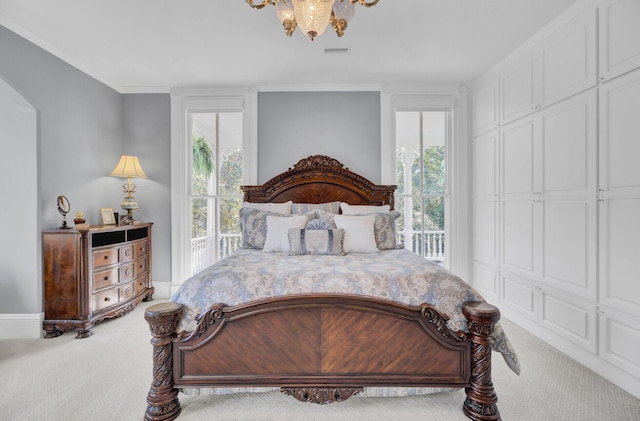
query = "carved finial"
{"x": 317, "y": 161}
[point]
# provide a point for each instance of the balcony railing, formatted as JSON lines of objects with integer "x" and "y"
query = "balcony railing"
{"x": 203, "y": 250}
{"x": 430, "y": 245}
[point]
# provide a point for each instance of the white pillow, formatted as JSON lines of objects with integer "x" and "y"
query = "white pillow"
{"x": 278, "y": 231}
{"x": 348, "y": 209}
{"x": 281, "y": 208}
{"x": 358, "y": 233}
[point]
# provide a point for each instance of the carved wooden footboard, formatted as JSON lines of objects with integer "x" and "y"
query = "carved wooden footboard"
{"x": 322, "y": 348}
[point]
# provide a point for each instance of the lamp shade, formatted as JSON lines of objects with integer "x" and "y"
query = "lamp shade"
{"x": 128, "y": 166}
{"x": 312, "y": 16}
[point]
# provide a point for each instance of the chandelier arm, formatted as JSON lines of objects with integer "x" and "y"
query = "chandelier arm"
{"x": 261, "y": 5}
{"x": 364, "y": 2}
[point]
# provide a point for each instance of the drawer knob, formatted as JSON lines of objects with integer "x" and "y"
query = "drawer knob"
{"x": 106, "y": 278}
{"x": 107, "y": 299}
{"x": 106, "y": 257}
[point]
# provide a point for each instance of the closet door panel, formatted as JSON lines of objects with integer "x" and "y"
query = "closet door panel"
{"x": 620, "y": 251}
{"x": 518, "y": 235}
{"x": 568, "y": 59}
{"x": 485, "y": 231}
{"x": 519, "y": 294}
{"x": 619, "y": 37}
{"x": 571, "y": 318}
{"x": 566, "y": 250}
{"x": 518, "y": 89}
{"x": 517, "y": 157}
{"x": 486, "y": 281}
{"x": 485, "y": 168}
{"x": 484, "y": 105}
{"x": 620, "y": 340}
{"x": 619, "y": 128}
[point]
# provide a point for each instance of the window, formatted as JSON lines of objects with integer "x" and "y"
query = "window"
{"x": 213, "y": 153}
{"x": 422, "y": 139}
{"x": 214, "y": 192}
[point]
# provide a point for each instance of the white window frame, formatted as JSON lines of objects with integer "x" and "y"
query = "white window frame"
{"x": 458, "y": 181}
{"x": 184, "y": 101}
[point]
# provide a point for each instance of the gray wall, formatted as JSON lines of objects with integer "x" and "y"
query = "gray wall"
{"x": 343, "y": 125}
{"x": 147, "y": 134}
{"x": 83, "y": 128}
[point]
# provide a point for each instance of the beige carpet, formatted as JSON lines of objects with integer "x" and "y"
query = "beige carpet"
{"x": 107, "y": 377}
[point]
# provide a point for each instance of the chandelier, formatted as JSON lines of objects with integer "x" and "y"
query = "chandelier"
{"x": 313, "y": 16}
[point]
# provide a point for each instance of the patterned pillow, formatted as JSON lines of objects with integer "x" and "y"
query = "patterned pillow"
{"x": 280, "y": 208}
{"x": 253, "y": 225}
{"x": 385, "y": 230}
{"x": 318, "y": 224}
{"x": 327, "y": 216}
{"x": 304, "y": 241}
{"x": 300, "y": 208}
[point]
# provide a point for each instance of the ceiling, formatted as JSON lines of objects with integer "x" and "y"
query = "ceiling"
{"x": 152, "y": 45}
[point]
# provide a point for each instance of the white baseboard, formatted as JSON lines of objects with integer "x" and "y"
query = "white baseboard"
{"x": 162, "y": 290}
{"x": 21, "y": 326}
{"x": 615, "y": 375}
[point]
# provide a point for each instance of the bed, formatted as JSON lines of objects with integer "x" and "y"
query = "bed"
{"x": 324, "y": 326}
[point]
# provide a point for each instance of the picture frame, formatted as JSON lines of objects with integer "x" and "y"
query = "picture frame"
{"x": 126, "y": 220}
{"x": 108, "y": 218}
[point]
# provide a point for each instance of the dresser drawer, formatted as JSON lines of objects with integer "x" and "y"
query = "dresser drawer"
{"x": 127, "y": 291}
{"x": 140, "y": 248}
{"x": 128, "y": 252}
{"x": 128, "y": 272}
{"x": 105, "y": 278}
{"x": 141, "y": 266}
{"x": 141, "y": 284}
{"x": 105, "y": 299}
{"x": 105, "y": 257}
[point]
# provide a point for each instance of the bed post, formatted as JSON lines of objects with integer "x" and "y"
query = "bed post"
{"x": 480, "y": 404}
{"x": 162, "y": 400}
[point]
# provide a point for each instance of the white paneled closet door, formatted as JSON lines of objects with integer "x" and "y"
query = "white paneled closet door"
{"x": 486, "y": 214}
{"x": 519, "y": 195}
{"x": 569, "y": 220}
{"x": 620, "y": 193}
{"x": 568, "y": 197}
{"x": 619, "y": 202}
{"x": 619, "y": 37}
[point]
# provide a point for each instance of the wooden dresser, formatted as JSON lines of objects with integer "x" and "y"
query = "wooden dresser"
{"x": 94, "y": 273}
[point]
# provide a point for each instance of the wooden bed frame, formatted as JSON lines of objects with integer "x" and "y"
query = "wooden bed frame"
{"x": 321, "y": 348}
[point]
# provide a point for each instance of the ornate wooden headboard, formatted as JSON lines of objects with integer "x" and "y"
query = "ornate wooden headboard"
{"x": 320, "y": 179}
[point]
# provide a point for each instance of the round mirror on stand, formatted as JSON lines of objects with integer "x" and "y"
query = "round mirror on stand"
{"x": 63, "y": 207}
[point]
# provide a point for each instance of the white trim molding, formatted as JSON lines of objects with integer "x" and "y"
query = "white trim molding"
{"x": 21, "y": 326}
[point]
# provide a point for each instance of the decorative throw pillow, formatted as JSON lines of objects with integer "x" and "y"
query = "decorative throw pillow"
{"x": 253, "y": 226}
{"x": 385, "y": 230}
{"x": 319, "y": 224}
{"x": 327, "y": 216}
{"x": 358, "y": 233}
{"x": 300, "y": 208}
{"x": 306, "y": 241}
{"x": 348, "y": 209}
{"x": 280, "y": 208}
{"x": 278, "y": 229}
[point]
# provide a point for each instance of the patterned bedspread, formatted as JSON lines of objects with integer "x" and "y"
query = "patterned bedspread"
{"x": 397, "y": 275}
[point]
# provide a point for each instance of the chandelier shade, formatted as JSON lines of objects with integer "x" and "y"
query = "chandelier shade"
{"x": 313, "y": 16}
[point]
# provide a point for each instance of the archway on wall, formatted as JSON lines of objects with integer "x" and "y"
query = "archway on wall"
{"x": 20, "y": 255}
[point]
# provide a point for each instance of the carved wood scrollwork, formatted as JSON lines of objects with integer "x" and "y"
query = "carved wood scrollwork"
{"x": 439, "y": 321}
{"x": 206, "y": 319}
{"x": 318, "y": 161}
{"x": 321, "y": 395}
